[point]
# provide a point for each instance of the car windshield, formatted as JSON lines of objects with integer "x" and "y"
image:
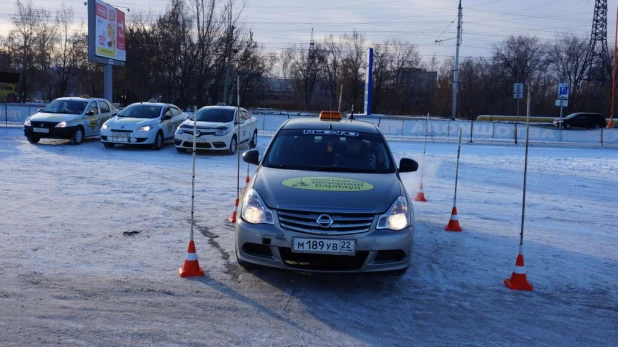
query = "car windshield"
{"x": 141, "y": 111}
{"x": 329, "y": 150}
{"x": 65, "y": 106}
{"x": 219, "y": 115}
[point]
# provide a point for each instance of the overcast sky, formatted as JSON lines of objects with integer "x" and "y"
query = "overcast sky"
{"x": 279, "y": 23}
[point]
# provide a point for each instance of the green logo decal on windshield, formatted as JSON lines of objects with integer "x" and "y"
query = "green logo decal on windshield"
{"x": 333, "y": 184}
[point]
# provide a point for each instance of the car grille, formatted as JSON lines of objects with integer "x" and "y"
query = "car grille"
{"x": 323, "y": 262}
{"x": 343, "y": 223}
{"x": 39, "y": 124}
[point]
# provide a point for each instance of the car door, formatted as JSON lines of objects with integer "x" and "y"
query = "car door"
{"x": 245, "y": 133}
{"x": 106, "y": 112}
{"x": 177, "y": 118}
{"x": 166, "y": 123}
{"x": 92, "y": 119}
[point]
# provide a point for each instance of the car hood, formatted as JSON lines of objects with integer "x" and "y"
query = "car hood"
{"x": 53, "y": 117}
{"x": 207, "y": 125}
{"x": 327, "y": 191}
{"x": 130, "y": 123}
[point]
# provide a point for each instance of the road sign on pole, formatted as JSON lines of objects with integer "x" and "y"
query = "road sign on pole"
{"x": 518, "y": 90}
{"x": 563, "y": 91}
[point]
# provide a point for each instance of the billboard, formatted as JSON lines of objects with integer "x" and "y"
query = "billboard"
{"x": 106, "y": 34}
{"x": 8, "y": 86}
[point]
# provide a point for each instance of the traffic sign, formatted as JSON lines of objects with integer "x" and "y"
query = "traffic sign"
{"x": 562, "y": 102}
{"x": 563, "y": 91}
{"x": 518, "y": 90}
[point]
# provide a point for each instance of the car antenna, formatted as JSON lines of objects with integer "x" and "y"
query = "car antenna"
{"x": 352, "y": 114}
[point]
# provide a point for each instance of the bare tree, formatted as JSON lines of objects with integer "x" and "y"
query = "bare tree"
{"x": 353, "y": 62}
{"x": 567, "y": 61}
{"x": 520, "y": 57}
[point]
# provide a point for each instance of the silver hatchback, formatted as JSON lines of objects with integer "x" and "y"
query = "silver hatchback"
{"x": 326, "y": 197}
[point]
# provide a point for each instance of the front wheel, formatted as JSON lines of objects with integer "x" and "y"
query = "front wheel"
{"x": 233, "y": 145}
{"x": 33, "y": 139}
{"x": 158, "y": 142}
{"x": 253, "y": 141}
{"x": 78, "y": 136}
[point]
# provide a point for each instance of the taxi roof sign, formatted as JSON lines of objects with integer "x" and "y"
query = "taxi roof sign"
{"x": 330, "y": 115}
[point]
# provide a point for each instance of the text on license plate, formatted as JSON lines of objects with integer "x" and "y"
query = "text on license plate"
{"x": 311, "y": 245}
{"x": 40, "y": 130}
{"x": 120, "y": 135}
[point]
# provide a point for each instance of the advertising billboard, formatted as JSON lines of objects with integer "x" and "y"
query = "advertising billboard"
{"x": 106, "y": 29}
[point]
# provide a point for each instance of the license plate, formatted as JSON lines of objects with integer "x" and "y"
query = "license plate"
{"x": 118, "y": 135}
{"x": 198, "y": 140}
{"x": 40, "y": 130}
{"x": 120, "y": 139}
{"x": 327, "y": 246}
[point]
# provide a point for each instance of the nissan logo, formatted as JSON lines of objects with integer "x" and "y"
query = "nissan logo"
{"x": 197, "y": 133}
{"x": 324, "y": 221}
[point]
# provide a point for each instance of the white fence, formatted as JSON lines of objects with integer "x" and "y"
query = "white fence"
{"x": 437, "y": 129}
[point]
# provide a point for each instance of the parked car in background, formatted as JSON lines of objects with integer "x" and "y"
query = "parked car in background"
{"x": 582, "y": 120}
{"x": 327, "y": 196}
{"x": 144, "y": 123}
{"x": 72, "y": 118}
{"x": 219, "y": 128}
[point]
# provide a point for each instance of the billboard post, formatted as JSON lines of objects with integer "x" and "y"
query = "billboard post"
{"x": 369, "y": 82}
{"x": 106, "y": 39}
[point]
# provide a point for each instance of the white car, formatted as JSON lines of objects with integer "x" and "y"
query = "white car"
{"x": 144, "y": 123}
{"x": 72, "y": 118}
{"x": 218, "y": 128}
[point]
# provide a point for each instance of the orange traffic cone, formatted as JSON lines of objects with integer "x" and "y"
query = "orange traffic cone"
{"x": 610, "y": 124}
{"x": 453, "y": 223}
{"x": 191, "y": 267}
{"x": 420, "y": 195}
{"x": 232, "y": 218}
{"x": 518, "y": 280}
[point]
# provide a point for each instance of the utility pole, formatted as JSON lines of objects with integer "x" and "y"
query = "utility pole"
{"x": 456, "y": 74}
{"x": 228, "y": 47}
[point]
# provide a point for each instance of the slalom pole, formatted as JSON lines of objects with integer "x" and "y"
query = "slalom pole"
{"x": 518, "y": 280}
{"x": 453, "y": 223}
{"x": 232, "y": 219}
{"x": 420, "y": 195}
{"x": 191, "y": 266}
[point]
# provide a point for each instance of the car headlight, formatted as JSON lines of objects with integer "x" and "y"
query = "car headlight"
{"x": 397, "y": 217}
{"x": 223, "y": 132}
{"x": 61, "y": 125}
{"x": 27, "y": 122}
{"x": 254, "y": 210}
{"x": 104, "y": 126}
{"x": 145, "y": 128}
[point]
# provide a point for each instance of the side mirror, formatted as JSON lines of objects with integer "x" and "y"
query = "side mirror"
{"x": 90, "y": 113}
{"x": 40, "y": 109}
{"x": 167, "y": 116}
{"x": 251, "y": 156}
{"x": 114, "y": 114}
{"x": 407, "y": 165}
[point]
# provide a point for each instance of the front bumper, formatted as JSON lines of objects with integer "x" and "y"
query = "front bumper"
{"x": 376, "y": 250}
{"x": 129, "y": 137}
{"x": 203, "y": 142}
{"x": 52, "y": 133}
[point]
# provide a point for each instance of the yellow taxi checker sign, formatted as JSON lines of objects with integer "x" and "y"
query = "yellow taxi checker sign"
{"x": 333, "y": 184}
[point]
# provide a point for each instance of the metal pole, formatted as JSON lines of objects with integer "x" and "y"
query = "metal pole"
{"x": 238, "y": 137}
{"x": 340, "y": 95}
{"x": 193, "y": 173}
{"x": 228, "y": 55}
{"x": 561, "y": 103}
{"x": 457, "y": 169}
{"x": 456, "y": 72}
{"x": 610, "y": 124}
{"x": 425, "y": 146}
{"x": 517, "y": 121}
{"x": 523, "y": 204}
{"x": 107, "y": 82}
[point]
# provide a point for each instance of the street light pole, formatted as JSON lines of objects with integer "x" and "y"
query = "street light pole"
{"x": 456, "y": 72}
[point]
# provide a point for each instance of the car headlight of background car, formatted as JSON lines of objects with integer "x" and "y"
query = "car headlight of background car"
{"x": 254, "y": 210}
{"x": 145, "y": 128}
{"x": 223, "y": 132}
{"x": 61, "y": 125}
{"x": 27, "y": 122}
{"x": 397, "y": 217}
{"x": 104, "y": 126}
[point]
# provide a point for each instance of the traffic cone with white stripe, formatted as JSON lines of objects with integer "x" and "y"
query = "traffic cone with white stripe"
{"x": 518, "y": 280}
{"x": 232, "y": 218}
{"x": 191, "y": 267}
{"x": 420, "y": 195}
{"x": 453, "y": 223}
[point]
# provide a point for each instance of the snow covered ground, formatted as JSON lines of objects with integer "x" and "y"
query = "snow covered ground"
{"x": 91, "y": 240}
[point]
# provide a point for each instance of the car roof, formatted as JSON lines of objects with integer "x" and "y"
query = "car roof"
{"x": 79, "y": 98}
{"x": 233, "y": 108}
{"x": 344, "y": 124}
{"x": 576, "y": 113}
{"x": 150, "y": 103}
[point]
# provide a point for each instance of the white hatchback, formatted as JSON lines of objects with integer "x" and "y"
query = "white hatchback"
{"x": 145, "y": 123}
{"x": 220, "y": 128}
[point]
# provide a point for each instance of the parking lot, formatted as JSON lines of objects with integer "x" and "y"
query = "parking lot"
{"x": 91, "y": 240}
